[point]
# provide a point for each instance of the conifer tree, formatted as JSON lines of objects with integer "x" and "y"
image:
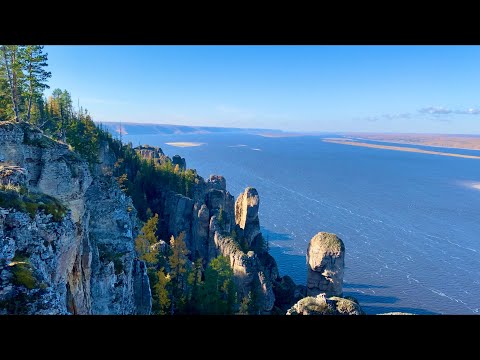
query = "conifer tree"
{"x": 161, "y": 291}
{"x": 177, "y": 261}
{"x": 34, "y": 62}
{"x": 219, "y": 288}
{"x": 11, "y": 73}
{"x": 146, "y": 238}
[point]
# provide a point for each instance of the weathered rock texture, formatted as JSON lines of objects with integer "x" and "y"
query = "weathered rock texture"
{"x": 151, "y": 152}
{"x": 246, "y": 214}
{"x": 321, "y": 305}
{"x": 178, "y": 160}
{"x": 156, "y": 154}
{"x": 325, "y": 265}
{"x": 209, "y": 221}
{"x": 84, "y": 264}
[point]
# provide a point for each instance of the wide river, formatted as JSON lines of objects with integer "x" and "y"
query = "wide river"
{"x": 410, "y": 221}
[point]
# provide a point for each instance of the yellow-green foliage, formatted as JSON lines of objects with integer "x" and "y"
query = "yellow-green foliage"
{"x": 161, "y": 291}
{"x": 178, "y": 258}
{"x": 146, "y": 239}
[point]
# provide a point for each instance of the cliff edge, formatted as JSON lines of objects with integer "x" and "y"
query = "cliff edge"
{"x": 66, "y": 232}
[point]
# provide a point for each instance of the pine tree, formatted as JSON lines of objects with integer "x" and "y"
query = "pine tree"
{"x": 177, "y": 261}
{"x": 219, "y": 288}
{"x": 195, "y": 284}
{"x": 245, "y": 306}
{"x": 146, "y": 239}
{"x": 161, "y": 291}
{"x": 11, "y": 71}
{"x": 33, "y": 62}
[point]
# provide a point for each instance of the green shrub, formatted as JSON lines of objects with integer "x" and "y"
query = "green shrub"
{"x": 23, "y": 276}
{"x": 32, "y": 202}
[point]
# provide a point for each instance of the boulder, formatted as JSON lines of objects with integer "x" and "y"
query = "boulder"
{"x": 325, "y": 265}
{"x": 321, "y": 305}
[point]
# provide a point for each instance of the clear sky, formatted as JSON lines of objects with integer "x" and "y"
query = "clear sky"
{"x": 298, "y": 88}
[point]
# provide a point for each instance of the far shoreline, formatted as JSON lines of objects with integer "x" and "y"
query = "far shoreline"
{"x": 398, "y": 148}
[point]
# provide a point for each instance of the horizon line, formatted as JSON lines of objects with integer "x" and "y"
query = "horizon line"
{"x": 305, "y": 132}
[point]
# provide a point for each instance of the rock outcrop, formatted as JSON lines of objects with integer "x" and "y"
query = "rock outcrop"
{"x": 85, "y": 262}
{"x": 246, "y": 214}
{"x": 178, "y": 160}
{"x": 209, "y": 221}
{"x": 156, "y": 154}
{"x": 325, "y": 265}
{"x": 152, "y": 153}
{"x": 321, "y": 305}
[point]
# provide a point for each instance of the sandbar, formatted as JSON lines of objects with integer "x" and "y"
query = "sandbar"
{"x": 399, "y": 148}
{"x": 185, "y": 144}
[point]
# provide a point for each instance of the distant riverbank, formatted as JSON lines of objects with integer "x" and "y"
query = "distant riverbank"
{"x": 398, "y": 148}
{"x": 463, "y": 142}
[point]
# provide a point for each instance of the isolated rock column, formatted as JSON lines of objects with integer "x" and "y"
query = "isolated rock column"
{"x": 246, "y": 213}
{"x": 325, "y": 265}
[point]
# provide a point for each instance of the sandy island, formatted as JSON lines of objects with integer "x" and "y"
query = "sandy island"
{"x": 399, "y": 148}
{"x": 185, "y": 144}
{"x": 466, "y": 142}
{"x": 279, "y": 135}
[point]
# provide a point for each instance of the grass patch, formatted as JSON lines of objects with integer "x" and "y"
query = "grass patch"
{"x": 21, "y": 200}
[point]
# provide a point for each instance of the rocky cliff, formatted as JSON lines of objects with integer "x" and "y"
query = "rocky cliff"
{"x": 215, "y": 225}
{"x": 156, "y": 154}
{"x": 80, "y": 262}
{"x": 325, "y": 267}
{"x": 83, "y": 261}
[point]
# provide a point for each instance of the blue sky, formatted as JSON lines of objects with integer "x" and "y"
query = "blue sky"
{"x": 297, "y": 88}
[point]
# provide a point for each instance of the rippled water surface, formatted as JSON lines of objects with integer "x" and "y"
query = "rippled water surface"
{"x": 410, "y": 222}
